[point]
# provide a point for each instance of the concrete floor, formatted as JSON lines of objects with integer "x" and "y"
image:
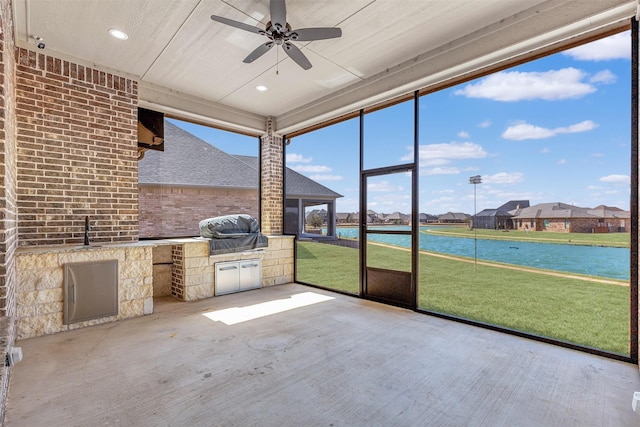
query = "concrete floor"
{"x": 332, "y": 361}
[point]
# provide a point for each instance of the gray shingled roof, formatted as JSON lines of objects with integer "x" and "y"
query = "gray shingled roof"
{"x": 603, "y": 211}
{"x": 488, "y": 212}
{"x": 298, "y": 185}
{"x": 551, "y": 210}
{"x": 191, "y": 161}
{"x": 453, "y": 216}
{"x": 514, "y": 204}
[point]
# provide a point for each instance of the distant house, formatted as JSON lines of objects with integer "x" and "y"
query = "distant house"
{"x": 192, "y": 180}
{"x": 396, "y": 218}
{"x": 427, "y": 218}
{"x": 499, "y": 218}
{"x": 562, "y": 217}
{"x": 373, "y": 217}
{"x": 453, "y": 218}
{"x": 347, "y": 218}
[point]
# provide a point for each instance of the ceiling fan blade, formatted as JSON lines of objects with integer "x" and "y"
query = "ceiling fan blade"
{"x": 319, "y": 33}
{"x": 258, "y": 52}
{"x": 297, "y": 55}
{"x": 278, "y": 10}
{"x": 238, "y": 24}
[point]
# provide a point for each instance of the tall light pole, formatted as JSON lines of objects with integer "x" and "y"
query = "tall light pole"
{"x": 475, "y": 180}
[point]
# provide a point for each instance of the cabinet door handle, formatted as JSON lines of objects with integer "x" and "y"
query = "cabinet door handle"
{"x": 231, "y": 267}
{"x": 249, "y": 265}
{"x": 73, "y": 293}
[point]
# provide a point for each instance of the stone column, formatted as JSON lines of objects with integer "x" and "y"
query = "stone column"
{"x": 272, "y": 181}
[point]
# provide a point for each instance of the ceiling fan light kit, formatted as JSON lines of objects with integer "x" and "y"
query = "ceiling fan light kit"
{"x": 279, "y": 32}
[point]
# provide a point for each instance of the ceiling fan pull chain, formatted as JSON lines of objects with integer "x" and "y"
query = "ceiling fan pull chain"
{"x": 277, "y": 64}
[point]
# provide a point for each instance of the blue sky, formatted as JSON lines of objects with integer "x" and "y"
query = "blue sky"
{"x": 553, "y": 130}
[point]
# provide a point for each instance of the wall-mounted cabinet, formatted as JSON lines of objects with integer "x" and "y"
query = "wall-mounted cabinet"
{"x": 236, "y": 276}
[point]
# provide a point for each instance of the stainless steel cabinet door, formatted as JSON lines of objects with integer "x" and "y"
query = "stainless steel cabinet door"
{"x": 249, "y": 274}
{"x": 227, "y": 278}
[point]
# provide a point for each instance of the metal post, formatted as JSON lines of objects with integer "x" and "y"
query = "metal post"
{"x": 477, "y": 179}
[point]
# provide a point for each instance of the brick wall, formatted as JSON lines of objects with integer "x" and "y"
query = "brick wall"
{"x": 271, "y": 151}
{"x": 176, "y": 211}
{"x": 8, "y": 207}
{"x": 77, "y": 140}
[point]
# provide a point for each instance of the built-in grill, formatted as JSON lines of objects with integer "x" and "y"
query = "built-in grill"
{"x": 232, "y": 233}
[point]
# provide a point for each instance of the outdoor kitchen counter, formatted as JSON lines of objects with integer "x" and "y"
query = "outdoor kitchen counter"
{"x": 193, "y": 273}
{"x": 40, "y": 279}
{"x": 40, "y": 276}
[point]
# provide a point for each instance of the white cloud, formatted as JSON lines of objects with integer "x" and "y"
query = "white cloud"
{"x": 517, "y": 86}
{"x": 434, "y": 162}
{"x": 326, "y": 177}
{"x": 617, "y": 46}
{"x": 605, "y": 77}
{"x": 434, "y": 158}
{"x": 598, "y": 154}
{"x": 311, "y": 168}
{"x": 383, "y": 186}
{"x": 545, "y": 150}
{"x": 463, "y": 134}
{"x": 439, "y": 171}
{"x": 449, "y": 151}
{"x": 615, "y": 179}
{"x": 522, "y": 131}
{"x": 503, "y": 178}
{"x": 485, "y": 124}
{"x": 298, "y": 158}
{"x": 562, "y": 161}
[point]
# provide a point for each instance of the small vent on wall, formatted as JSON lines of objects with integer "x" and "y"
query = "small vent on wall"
{"x": 150, "y": 131}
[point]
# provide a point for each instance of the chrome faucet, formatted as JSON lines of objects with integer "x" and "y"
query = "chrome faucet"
{"x": 87, "y": 227}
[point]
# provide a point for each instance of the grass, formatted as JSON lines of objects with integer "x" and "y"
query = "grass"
{"x": 578, "y": 311}
{"x": 618, "y": 240}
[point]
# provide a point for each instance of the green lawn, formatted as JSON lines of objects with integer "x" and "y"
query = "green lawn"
{"x": 582, "y": 312}
{"x": 620, "y": 240}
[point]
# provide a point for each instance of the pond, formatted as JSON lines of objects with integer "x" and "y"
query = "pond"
{"x": 592, "y": 260}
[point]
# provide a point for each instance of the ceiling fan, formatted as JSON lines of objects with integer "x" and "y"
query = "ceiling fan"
{"x": 279, "y": 32}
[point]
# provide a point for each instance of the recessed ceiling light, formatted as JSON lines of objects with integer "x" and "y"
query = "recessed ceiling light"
{"x": 119, "y": 34}
{"x": 261, "y": 88}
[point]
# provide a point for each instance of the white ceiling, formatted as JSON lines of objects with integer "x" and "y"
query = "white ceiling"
{"x": 189, "y": 65}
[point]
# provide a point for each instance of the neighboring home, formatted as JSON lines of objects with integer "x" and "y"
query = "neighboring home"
{"x": 453, "y": 218}
{"x": 396, "y": 218}
{"x": 192, "y": 180}
{"x": 322, "y": 213}
{"x": 425, "y": 218}
{"x": 373, "y": 217}
{"x": 499, "y": 218}
{"x": 347, "y": 218}
{"x": 562, "y": 217}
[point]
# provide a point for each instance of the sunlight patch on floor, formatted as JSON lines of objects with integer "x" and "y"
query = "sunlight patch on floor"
{"x": 233, "y": 315}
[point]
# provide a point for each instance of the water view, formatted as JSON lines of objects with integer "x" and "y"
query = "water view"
{"x": 591, "y": 260}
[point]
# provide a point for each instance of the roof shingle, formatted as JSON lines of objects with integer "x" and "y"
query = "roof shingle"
{"x": 190, "y": 161}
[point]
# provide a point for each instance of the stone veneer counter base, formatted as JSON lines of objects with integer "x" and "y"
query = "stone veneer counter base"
{"x": 193, "y": 273}
{"x": 40, "y": 277}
